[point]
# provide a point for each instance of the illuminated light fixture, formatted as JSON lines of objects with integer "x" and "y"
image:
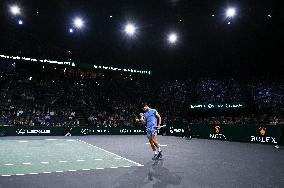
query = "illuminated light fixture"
{"x": 15, "y": 10}
{"x": 231, "y": 12}
{"x": 130, "y": 29}
{"x": 78, "y": 22}
{"x": 172, "y": 38}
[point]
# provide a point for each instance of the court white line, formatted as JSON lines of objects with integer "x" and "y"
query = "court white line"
{"x": 98, "y": 159}
{"x": 62, "y": 161}
{"x": 113, "y": 167}
{"x": 59, "y": 171}
{"x": 26, "y": 163}
{"x": 126, "y": 166}
{"x": 138, "y": 164}
{"x": 80, "y": 160}
{"x": 46, "y": 172}
{"x": 99, "y": 168}
{"x": 44, "y": 162}
{"x": 50, "y": 139}
{"x": 9, "y": 164}
{"x": 5, "y": 175}
{"x": 70, "y": 140}
{"x": 72, "y": 170}
{"x": 86, "y": 169}
{"x": 163, "y": 145}
{"x": 23, "y": 141}
{"x": 20, "y": 174}
{"x": 33, "y": 173}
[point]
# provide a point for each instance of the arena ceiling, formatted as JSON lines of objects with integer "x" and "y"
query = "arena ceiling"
{"x": 207, "y": 39}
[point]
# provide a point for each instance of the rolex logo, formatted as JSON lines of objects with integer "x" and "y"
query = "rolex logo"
{"x": 217, "y": 129}
{"x": 262, "y": 131}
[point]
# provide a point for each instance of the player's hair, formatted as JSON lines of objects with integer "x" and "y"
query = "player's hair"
{"x": 144, "y": 104}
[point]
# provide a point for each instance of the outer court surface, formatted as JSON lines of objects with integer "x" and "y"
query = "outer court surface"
{"x": 125, "y": 161}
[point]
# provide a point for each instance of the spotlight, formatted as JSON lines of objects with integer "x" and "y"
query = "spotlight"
{"x": 78, "y": 22}
{"x": 15, "y": 10}
{"x": 20, "y": 22}
{"x": 231, "y": 12}
{"x": 172, "y": 38}
{"x": 71, "y": 30}
{"x": 130, "y": 29}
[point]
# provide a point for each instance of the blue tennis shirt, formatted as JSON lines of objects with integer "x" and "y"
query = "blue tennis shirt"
{"x": 151, "y": 118}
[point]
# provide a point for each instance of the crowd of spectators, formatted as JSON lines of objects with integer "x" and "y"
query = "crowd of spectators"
{"x": 28, "y": 101}
{"x": 267, "y": 95}
{"x": 113, "y": 100}
{"x": 212, "y": 90}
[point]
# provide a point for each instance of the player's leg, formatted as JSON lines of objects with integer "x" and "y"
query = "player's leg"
{"x": 153, "y": 147}
{"x": 150, "y": 138}
{"x": 154, "y": 133}
{"x": 151, "y": 143}
{"x": 155, "y": 142}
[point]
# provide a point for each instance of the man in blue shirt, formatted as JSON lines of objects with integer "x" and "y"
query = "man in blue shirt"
{"x": 152, "y": 119}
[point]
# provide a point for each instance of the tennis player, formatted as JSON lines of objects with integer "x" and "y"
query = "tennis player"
{"x": 152, "y": 119}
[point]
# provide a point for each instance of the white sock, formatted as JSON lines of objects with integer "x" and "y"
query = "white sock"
{"x": 159, "y": 149}
{"x": 155, "y": 152}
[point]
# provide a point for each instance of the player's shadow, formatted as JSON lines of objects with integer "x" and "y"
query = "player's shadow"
{"x": 162, "y": 176}
{"x": 152, "y": 174}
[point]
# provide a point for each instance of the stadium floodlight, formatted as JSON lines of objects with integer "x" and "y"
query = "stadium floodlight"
{"x": 71, "y": 30}
{"x": 20, "y": 22}
{"x": 130, "y": 29}
{"x": 15, "y": 10}
{"x": 231, "y": 12}
{"x": 172, "y": 38}
{"x": 78, "y": 22}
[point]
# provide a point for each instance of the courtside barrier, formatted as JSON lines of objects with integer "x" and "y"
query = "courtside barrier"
{"x": 244, "y": 133}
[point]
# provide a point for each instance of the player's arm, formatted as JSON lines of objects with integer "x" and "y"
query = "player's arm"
{"x": 159, "y": 120}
